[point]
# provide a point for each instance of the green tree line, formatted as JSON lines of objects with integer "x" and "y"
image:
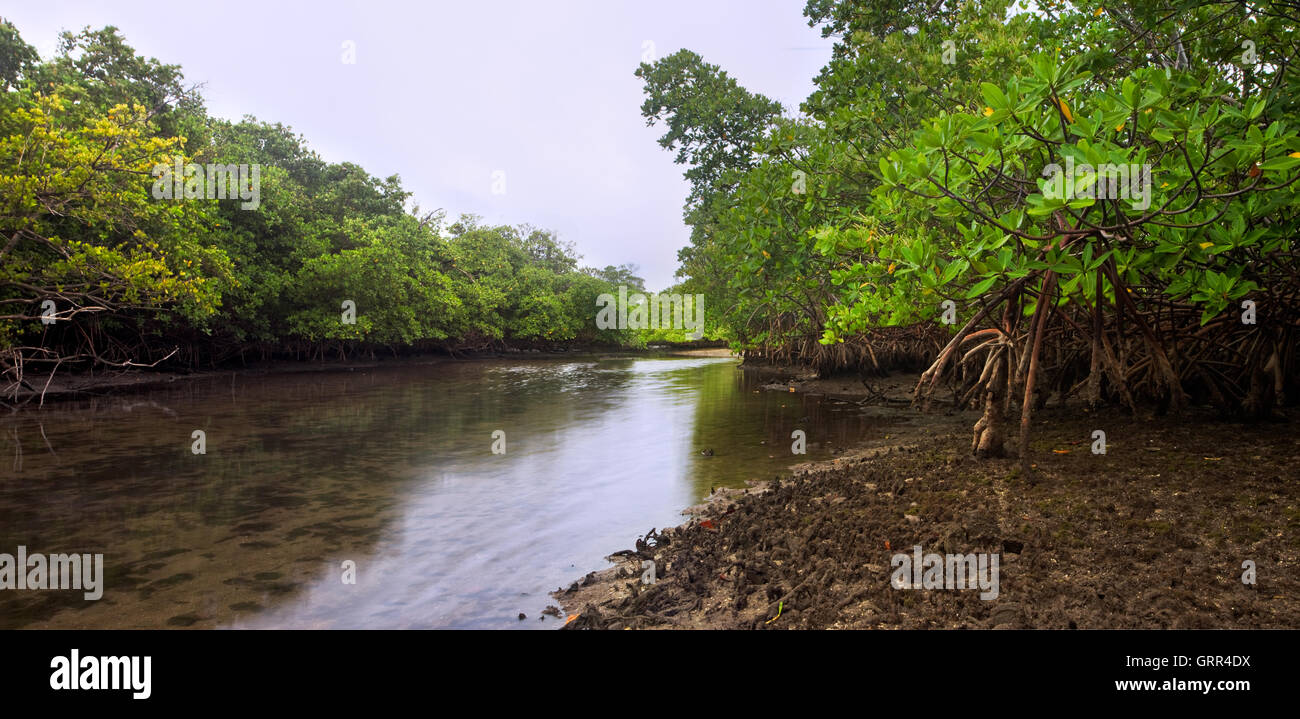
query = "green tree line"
{"x": 95, "y": 270}
{"x": 918, "y": 194}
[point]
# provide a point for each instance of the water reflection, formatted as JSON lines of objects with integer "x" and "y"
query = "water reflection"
{"x": 389, "y": 468}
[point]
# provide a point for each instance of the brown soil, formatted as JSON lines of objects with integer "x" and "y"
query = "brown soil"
{"x": 1151, "y": 534}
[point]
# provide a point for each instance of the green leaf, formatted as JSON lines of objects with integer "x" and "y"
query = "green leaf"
{"x": 981, "y": 287}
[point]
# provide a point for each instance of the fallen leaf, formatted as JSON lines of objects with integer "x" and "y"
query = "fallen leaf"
{"x": 571, "y": 618}
{"x": 1061, "y": 451}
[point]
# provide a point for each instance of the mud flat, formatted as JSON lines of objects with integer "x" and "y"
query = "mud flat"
{"x": 1152, "y": 534}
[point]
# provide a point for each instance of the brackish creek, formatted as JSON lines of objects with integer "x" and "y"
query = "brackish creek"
{"x": 390, "y": 468}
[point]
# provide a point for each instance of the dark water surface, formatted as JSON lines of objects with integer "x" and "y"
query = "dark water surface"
{"x": 390, "y": 468}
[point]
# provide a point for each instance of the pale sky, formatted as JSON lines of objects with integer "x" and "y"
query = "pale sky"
{"x": 445, "y": 93}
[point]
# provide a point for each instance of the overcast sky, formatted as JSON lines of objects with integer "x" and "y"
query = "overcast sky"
{"x": 447, "y": 93}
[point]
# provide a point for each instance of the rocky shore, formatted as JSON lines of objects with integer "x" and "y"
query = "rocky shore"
{"x": 1167, "y": 529}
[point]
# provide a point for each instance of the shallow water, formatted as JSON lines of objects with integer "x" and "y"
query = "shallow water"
{"x": 392, "y": 469}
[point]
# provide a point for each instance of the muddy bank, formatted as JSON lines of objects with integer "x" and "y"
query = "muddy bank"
{"x": 1151, "y": 534}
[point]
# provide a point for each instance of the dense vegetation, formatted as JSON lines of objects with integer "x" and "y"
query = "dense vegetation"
{"x": 96, "y": 271}
{"x": 914, "y": 212}
{"x": 923, "y": 177}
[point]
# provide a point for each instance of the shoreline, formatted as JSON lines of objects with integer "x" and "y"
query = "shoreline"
{"x": 82, "y": 385}
{"x": 1152, "y": 534}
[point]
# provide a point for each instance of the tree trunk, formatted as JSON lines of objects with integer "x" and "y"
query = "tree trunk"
{"x": 990, "y": 433}
{"x": 1041, "y": 313}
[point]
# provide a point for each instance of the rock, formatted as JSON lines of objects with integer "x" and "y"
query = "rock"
{"x": 522, "y": 616}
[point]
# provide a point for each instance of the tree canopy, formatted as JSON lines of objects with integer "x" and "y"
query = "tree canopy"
{"x": 1086, "y": 199}
{"x": 95, "y": 268}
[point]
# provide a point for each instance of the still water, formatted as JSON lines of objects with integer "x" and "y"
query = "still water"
{"x": 392, "y": 469}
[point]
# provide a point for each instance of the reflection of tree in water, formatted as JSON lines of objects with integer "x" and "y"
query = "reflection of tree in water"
{"x": 748, "y": 427}
{"x": 297, "y": 467}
